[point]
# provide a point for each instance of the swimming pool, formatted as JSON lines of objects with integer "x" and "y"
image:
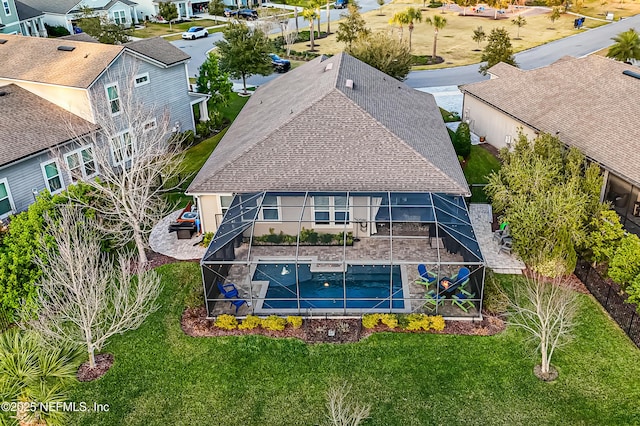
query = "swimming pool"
{"x": 367, "y": 287}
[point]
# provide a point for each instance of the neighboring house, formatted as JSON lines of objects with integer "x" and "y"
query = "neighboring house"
{"x": 334, "y": 147}
{"x": 65, "y": 12}
{"x": 186, "y": 9}
{"x": 589, "y": 103}
{"x": 19, "y": 18}
{"x": 86, "y": 80}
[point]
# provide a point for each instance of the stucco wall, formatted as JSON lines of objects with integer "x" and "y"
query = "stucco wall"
{"x": 484, "y": 120}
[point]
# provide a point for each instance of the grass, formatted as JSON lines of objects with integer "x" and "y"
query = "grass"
{"x": 155, "y": 30}
{"x": 454, "y": 41}
{"x": 161, "y": 376}
{"x": 479, "y": 165}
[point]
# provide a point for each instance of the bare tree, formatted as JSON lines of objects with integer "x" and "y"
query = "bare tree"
{"x": 343, "y": 410}
{"x": 136, "y": 162}
{"x": 290, "y": 37}
{"x": 546, "y": 311}
{"x": 85, "y": 297}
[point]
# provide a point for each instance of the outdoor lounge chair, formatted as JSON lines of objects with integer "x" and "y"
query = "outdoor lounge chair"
{"x": 502, "y": 233}
{"x": 434, "y": 299}
{"x": 229, "y": 290}
{"x": 506, "y": 246}
{"x": 456, "y": 282}
{"x": 426, "y": 278}
{"x": 462, "y": 300}
{"x": 237, "y": 303}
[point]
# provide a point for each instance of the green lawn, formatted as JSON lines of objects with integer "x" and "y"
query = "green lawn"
{"x": 479, "y": 165}
{"x": 152, "y": 29}
{"x": 163, "y": 377}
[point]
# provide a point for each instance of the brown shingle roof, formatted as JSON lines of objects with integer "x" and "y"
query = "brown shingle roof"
{"x": 38, "y": 59}
{"x": 31, "y": 124}
{"x": 307, "y": 131}
{"x": 588, "y": 101}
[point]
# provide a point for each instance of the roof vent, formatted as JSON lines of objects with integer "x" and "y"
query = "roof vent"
{"x": 631, "y": 74}
{"x": 329, "y": 66}
{"x": 66, "y": 48}
{"x": 349, "y": 84}
{"x": 3, "y": 40}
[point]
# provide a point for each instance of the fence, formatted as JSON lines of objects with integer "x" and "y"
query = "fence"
{"x": 477, "y": 193}
{"x": 623, "y": 313}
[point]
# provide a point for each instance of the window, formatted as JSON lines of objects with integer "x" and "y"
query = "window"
{"x": 270, "y": 208}
{"x": 122, "y": 147}
{"x": 114, "y": 98}
{"x": 149, "y": 125}
{"x": 225, "y": 202}
{"x": 6, "y": 203}
{"x": 332, "y": 210}
{"x": 81, "y": 163}
{"x": 119, "y": 17}
{"x": 52, "y": 177}
{"x": 7, "y": 9}
{"x": 141, "y": 80}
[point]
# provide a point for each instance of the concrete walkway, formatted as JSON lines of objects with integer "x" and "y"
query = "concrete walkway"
{"x": 164, "y": 242}
{"x": 500, "y": 263}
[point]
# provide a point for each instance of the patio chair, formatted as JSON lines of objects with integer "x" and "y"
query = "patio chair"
{"x": 434, "y": 299}
{"x": 237, "y": 303}
{"x": 501, "y": 233}
{"x": 426, "y": 277}
{"x": 229, "y": 290}
{"x": 462, "y": 300}
{"x": 458, "y": 281}
{"x": 506, "y": 246}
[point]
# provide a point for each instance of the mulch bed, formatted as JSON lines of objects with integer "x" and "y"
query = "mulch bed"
{"x": 157, "y": 259}
{"x": 332, "y": 330}
{"x": 103, "y": 364}
{"x": 570, "y": 282}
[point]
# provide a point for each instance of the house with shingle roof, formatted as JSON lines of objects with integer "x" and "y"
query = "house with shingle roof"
{"x": 64, "y": 12}
{"x": 17, "y": 17}
{"x": 80, "y": 83}
{"x": 590, "y": 103}
{"x": 334, "y": 124}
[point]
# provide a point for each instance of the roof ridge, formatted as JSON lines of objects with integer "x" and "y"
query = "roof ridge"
{"x": 411, "y": 148}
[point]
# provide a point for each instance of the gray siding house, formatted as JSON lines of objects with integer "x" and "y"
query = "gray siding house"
{"x": 17, "y": 17}
{"x": 66, "y": 99}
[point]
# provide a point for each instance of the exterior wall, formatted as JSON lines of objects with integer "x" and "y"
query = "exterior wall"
{"x": 59, "y": 20}
{"x": 72, "y": 99}
{"x": 167, "y": 90}
{"x": 12, "y": 18}
{"x": 209, "y": 207}
{"x": 26, "y": 177}
{"x": 496, "y": 126}
{"x": 13, "y": 28}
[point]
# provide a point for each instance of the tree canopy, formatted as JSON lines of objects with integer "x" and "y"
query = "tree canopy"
{"x": 168, "y": 10}
{"x": 498, "y": 49}
{"x": 244, "y": 52}
{"x": 384, "y": 52}
{"x": 626, "y": 46}
{"x": 102, "y": 28}
{"x": 548, "y": 195}
{"x": 213, "y": 81}
{"x": 352, "y": 26}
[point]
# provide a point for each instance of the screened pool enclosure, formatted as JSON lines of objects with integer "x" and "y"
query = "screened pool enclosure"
{"x": 344, "y": 253}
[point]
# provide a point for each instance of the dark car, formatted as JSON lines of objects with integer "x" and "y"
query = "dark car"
{"x": 248, "y": 14}
{"x": 279, "y": 64}
{"x": 229, "y": 12}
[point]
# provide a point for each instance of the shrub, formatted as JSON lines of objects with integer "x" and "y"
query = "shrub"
{"x": 295, "y": 321}
{"x": 56, "y": 31}
{"x": 274, "y": 322}
{"x": 326, "y": 238}
{"x": 204, "y": 129}
{"x": 370, "y": 320}
{"x": 437, "y": 323}
{"x": 418, "y": 322}
{"x": 390, "y": 320}
{"x": 206, "y": 239}
{"x": 462, "y": 141}
{"x": 495, "y": 300}
{"x": 226, "y": 322}
{"x": 182, "y": 139}
{"x": 250, "y": 322}
{"x": 625, "y": 265}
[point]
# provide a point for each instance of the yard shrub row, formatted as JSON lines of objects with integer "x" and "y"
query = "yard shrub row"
{"x": 251, "y": 322}
{"x": 410, "y": 322}
{"x": 307, "y": 236}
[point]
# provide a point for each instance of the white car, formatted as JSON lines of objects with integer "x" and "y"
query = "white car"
{"x": 195, "y": 32}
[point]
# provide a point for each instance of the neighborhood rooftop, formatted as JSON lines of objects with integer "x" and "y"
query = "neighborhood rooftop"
{"x": 159, "y": 50}
{"x": 25, "y": 11}
{"x": 335, "y": 124}
{"x": 30, "y": 124}
{"x": 595, "y": 111}
{"x": 52, "y": 6}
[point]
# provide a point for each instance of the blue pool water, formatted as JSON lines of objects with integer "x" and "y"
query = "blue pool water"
{"x": 367, "y": 287}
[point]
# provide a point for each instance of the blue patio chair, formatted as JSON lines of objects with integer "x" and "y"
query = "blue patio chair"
{"x": 462, "y": 299}
{"x": 426, "y": 277}
{"x": 455, "y": 282}
{"x": 228, "y": 290}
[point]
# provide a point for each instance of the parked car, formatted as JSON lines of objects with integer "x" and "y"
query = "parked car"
{"x": 248, "y": 14}
{"x": 195, "y": 32}
{"x": 279, "y": 64}
{"x": 230, "y": 12}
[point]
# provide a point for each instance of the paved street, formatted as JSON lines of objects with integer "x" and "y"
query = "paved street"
{"x": 579, "y": 45}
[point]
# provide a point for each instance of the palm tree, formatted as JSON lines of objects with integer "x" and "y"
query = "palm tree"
{"x": 626, "y": 47}
{"x": 413, "y": 14}
{"x": 519, "y": 22}
{"x": 310, "y": 14}
{"x": 33, "y": 373}
{"x": 317, "y": 4}
{"x": 438, "y": 23}
{"x": 400, "y": 19}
